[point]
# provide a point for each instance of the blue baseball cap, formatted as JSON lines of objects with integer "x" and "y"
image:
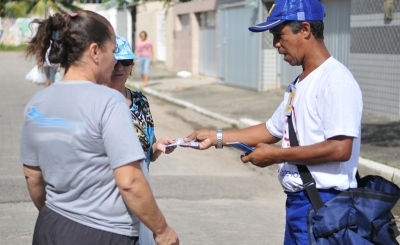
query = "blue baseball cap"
{"x": 124, "y": 50}
{"x": 292, "y": 10}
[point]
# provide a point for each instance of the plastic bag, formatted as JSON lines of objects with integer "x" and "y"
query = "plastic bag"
{"x": 145, "y": 234}
{"x": 36, "y": 76}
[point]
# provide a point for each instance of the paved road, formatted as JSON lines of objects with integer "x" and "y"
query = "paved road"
{"x": 17, "y": 214}
{"x": 208, "y": 197}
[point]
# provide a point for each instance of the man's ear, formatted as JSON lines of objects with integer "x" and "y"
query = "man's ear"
{"x": 306, "y": 30}
{"x": 94, "y": 51}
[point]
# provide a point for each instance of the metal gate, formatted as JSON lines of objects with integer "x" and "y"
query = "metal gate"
{"x": 336, "y": 38}
{"x": 207, "y": 44}
{"x": 240, "y": 49}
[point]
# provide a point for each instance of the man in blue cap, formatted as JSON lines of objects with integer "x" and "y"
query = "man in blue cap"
{"x": 324, "y": 105}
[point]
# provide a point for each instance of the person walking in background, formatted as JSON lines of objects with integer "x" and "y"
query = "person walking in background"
{"x": 144, "y": 50}
{"x": 324, "y": 105}
{"x": 81, "y": 156}
{"x": 141, "y": 117}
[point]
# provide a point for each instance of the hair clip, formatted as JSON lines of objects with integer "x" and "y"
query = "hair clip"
{"x": 55, "y": 35}
{"x": 72, "y": 15}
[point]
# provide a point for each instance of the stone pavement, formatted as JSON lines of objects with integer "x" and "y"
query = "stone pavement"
{"x": 380, "y": 147}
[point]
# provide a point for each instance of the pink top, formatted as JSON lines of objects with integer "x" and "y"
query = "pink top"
{"x": 144, "y": 48}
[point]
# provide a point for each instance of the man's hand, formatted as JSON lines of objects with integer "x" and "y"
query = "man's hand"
{"x": 206, "y": 138}
{"x": 262, "y": 156}
{"x": 168, "y": 237}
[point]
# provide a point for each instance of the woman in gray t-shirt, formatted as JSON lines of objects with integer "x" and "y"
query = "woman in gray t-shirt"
{"x": 80, "y": 152}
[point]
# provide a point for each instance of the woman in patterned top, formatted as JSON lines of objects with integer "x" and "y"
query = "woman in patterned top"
{"x": 141, "y": 117}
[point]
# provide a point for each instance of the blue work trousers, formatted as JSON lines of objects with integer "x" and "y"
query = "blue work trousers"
{"x": 297, "y": 206}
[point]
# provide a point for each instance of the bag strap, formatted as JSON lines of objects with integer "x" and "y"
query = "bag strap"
{"x": 309, "y": 184}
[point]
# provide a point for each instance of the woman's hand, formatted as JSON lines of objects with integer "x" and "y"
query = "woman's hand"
{"x": 160, "y": 146}
{"x": 168, "y": 237}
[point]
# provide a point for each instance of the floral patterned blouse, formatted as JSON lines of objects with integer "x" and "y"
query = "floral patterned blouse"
{"x": 143, "y": 121}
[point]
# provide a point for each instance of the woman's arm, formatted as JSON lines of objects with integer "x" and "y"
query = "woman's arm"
{"x": 36, "y": 185}
{"x": 137, "y": 195}
{"x": 136, "y": 51}
{"x": 155, "y": 153}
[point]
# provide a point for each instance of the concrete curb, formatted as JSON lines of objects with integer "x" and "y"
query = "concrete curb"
{"x": 365, "y": 166}
{"x": 369, "y": 167}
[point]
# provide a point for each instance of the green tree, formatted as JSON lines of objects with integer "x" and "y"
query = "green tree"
{"x": 24, "y": 8}
{"x": 11, "y": 9}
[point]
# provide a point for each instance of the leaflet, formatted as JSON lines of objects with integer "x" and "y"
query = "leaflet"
{"x": 181, "y": 142}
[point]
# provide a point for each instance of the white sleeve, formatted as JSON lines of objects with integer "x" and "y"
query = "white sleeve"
{"x": 341, "y": 108}
{"x": 276, "y": 123}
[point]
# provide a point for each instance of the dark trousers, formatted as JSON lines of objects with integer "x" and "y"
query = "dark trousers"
{"x": 54, "y": 229}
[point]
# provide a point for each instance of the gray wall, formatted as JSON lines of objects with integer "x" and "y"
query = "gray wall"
{"x": 375, "y": 56}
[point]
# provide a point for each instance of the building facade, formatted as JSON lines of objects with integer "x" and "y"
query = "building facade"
{"x": 210, "y": 37}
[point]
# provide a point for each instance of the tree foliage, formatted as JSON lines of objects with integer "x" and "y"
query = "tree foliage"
{"x": 25, "y": 8}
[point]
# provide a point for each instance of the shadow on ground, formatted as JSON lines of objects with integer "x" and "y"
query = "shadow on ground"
{"x": 385, "y": 135}
{"x": 381, "y": 142}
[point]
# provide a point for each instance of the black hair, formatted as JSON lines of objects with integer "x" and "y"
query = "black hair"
{"x": 68, "y": 36}
{"x": 317, "y": 27}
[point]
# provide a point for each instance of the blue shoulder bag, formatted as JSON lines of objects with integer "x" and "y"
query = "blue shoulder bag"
{"x": 357, "y": 216}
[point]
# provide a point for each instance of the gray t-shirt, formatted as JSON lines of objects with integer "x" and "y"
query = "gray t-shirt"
{"x": 77, "y": 132}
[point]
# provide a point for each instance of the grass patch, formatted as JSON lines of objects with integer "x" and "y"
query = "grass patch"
{"x": 21, "y": 47}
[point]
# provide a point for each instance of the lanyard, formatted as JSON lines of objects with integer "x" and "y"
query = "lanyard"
{"x": 292, "y": 94}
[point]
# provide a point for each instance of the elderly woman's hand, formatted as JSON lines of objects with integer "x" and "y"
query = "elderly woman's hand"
{"x": 159, "y": 146}
{"x": 162, "y": 143}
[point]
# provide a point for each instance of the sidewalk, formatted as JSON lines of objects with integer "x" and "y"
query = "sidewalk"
{"x": 380, "y": 147}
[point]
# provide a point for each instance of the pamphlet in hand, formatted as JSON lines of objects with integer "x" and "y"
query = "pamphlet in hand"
{"x": 241, "y": 146}
{"x": 181, "y": 142}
